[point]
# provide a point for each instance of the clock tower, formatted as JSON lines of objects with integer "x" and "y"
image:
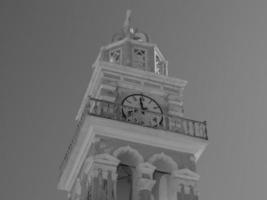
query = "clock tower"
{"x": 132, "y": 140}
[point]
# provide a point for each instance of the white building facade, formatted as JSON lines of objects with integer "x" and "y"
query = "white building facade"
{"x": 132, "y": 141}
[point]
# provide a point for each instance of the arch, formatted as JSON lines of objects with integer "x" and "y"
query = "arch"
{"x": 166, "y": 187}
{"x": 124, "y": 183}
{"x": 132, "y": 158}
{"x": 163, "y": 162}
{"x": 128, "y": 155}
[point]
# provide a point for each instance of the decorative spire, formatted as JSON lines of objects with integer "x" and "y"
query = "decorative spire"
{"x": 129, "y": 32}
{"x": 127, "y": 22}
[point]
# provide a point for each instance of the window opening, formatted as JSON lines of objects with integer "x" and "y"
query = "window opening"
{"x": 115, "y": 56}
{"x": 139, "y": 58}
{"x": 160, "y": 65}
{"x": 124, "y": 182}
{"x": 157, "y": 64}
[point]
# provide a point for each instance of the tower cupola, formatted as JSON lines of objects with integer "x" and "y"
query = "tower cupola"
{"x": 132, "y": 48}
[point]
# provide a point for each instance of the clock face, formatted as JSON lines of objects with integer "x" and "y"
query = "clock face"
{"x": 141, "y": 109}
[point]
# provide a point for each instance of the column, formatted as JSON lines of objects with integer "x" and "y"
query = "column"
{"x": 144, "y": 181}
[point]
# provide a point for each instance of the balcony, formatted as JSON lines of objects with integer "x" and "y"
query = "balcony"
{"x": 113, "y": 111}
{"x": 179, "y": 125}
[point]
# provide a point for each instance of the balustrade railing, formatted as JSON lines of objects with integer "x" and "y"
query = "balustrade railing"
{"x": 106, "y": 109}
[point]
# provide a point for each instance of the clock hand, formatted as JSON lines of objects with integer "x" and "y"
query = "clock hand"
{"x": 141, "y": 104}
{"x": 129, "y": 113}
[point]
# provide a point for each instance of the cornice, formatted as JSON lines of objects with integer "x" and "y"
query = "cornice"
{"x": 130, "y": 71}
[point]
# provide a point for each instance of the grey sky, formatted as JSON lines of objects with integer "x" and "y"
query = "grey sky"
{"x": 47, "y": 48}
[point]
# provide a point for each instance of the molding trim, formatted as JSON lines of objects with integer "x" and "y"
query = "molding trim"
{"x": 106, "y": 159}
{"x": 120, "y": 42}
{"x": 88, "y": 164}
{"x": 186, "y": 174}
{"x": 93, "y": 126}
{"x": 76, "y": 158}
{"x": 149, "y": 76}
{"x": 91, "y": 86}
{"x": 147, "y": 136}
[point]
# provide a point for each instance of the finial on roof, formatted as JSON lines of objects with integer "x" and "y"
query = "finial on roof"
{"x": 130, "y": 32}
{"x": 127, "y": 19}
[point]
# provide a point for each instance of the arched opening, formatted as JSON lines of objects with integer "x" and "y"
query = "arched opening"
{"x": 160, "y": 190}
{"x": 129, "y": 159}
{"x": 124, "y": 182}
{"x": 128, "y": 156}
{"x": 165, "y": 165}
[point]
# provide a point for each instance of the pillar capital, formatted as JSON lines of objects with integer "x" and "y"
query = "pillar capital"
{"x": 104, "y": 164}
{"x": 106, "y": 159}
{"x": 145, "y": 184}
{"x": 145, "y": 180}
{"x": 145, "y": 170}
